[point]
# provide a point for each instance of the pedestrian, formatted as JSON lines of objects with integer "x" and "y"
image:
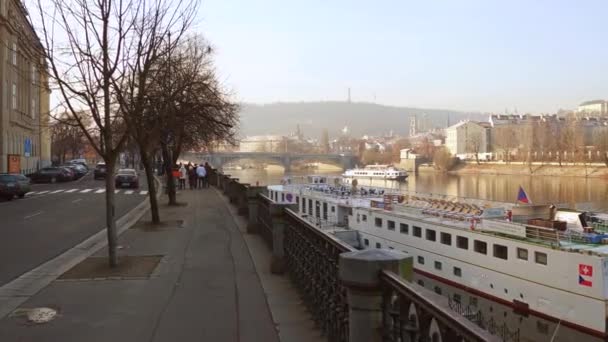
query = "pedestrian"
{"x": 192, "y": 177}
{"x": 207, "y": 173}
{"x": 201, "y": 173}
{"x": 183, "y": 173}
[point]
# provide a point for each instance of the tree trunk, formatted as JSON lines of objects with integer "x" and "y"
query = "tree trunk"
{"x": 149, "y": 169}
{"x": 169, "y": 174}
{"x": 110, "y": 212}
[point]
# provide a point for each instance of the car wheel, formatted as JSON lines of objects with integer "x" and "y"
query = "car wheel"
{"x": 9, "y": 197}
{"x": 53, "y": 180}
{"x": 22, "y": 195}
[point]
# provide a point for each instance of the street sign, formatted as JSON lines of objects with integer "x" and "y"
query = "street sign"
{"x": 27, "y": 147}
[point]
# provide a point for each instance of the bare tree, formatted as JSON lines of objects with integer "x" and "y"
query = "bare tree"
{"x": 443, "y": 159}
{"x": 474, "y": 145}
{"x": 100, "y": 40}
{"x": 505, "y": 140}
{"x": 600, "y": 140}
{"x": 325, "y": 142}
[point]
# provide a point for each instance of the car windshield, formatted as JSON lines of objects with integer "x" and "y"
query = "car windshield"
{"x": 6, "y": 178}
{"x": 126, "y": 173}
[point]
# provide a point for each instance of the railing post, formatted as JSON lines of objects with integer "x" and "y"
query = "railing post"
{"x": 252, "y": 204}
{"x": 277, "y": 216}
{"x": 360, "y": 274}
{"x": 242, "y": 205}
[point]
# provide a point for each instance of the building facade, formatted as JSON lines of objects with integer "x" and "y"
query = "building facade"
{"x": 594, "y": 108}
{"x": 24, "y": 102}
{"x": 467, "y": 138}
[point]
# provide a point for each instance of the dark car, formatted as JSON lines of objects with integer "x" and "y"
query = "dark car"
{"x": 78, "y": 169}
{"x": 127, "y": 178}
{"x": 12, "y": 185}
{"x": 100, "y": 171}
{"x": 52, "y": 174}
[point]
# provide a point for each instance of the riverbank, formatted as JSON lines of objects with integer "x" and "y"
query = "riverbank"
{"x": 523, "y": 169}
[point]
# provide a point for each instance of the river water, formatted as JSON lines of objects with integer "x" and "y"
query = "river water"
{"x": 590, "y": 193}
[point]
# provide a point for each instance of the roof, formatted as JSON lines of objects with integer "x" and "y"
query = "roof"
{"x": 592, "y": 102}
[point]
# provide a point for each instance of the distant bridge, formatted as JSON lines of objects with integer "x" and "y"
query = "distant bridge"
{"x": 217, "y": 160}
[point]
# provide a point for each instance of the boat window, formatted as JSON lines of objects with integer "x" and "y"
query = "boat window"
{"x": 378, "y": 222}
{"x": 480, "y": 247}
{"x": 417, "y": 231}
{"x": 421, "y": 260}
{"x": 303, "y": 205}
{"x": 366, "y": 242}
{"x": 541, "y": 258}
{"x": 390, "y": 225}
{"x": 522, "y": 253}
{"x": 456, "y": 298}
{"x": 325, "y": 210}
{"x": 431, "y": 235}
{"x": 282, "y": 197}
{"x": 404, "y": 228}
{"x": 333, "y": 209}
{"x": 358, "y": 217}
{"x": 446, "y": 238}
{"x": 542, "y": 327}
{"x": 310, "y": 207}
{"x": 421, "y": 282}
{"x": 364, "y": 218}
{"x": 378, "y": 245}
{"x": 438, "y": 265}
{"x": 501, "y": 251}
{"x": 462, "y": 242}
{"x": 298, "y": 199}
{"x": 438, "y": 290}
{"x": 457, "y": 272}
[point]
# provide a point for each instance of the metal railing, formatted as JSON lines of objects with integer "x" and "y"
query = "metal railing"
{"x": 312, "y": 262}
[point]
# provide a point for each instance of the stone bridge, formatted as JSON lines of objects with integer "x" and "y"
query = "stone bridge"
{"x": 217, "y": 160}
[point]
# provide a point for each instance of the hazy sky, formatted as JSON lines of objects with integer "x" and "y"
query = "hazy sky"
{"x": 483, "y": 55}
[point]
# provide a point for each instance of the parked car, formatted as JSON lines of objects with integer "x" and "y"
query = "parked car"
{"x": 81, "y": 162}
{"x": 52, "y": 174}
{"x": 127, "y": 178}
{"x": 100, "y": 171}
{"x": 12, "y": 185}
{"x": 78, "y": 169}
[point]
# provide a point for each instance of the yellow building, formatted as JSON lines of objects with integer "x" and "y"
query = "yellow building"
{"x": 24, "y": 95}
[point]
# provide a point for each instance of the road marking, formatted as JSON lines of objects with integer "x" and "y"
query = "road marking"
{"x": 43, "y": 192}
{"x": 116, "y": 191}
{"x": 77, "y": 200}
{"x": 31, "y": 193}
{"x": 85, "y": 191}
{"x": 100, "y": 191}
{"x": 34, "y": 214}
{"x": 56, "y": 191}
{"x": 143, "y": 192}
{"x": 128, "y": 192}
{"x": 72, "y": 190}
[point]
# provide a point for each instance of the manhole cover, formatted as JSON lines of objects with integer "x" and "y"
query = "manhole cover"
{"x": 36, "y": 315}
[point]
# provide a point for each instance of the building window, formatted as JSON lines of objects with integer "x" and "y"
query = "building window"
{"x": 501, "y": 251}
{"x": 462, "y": 242}
{"x": 522, "y": 253}
{"x": 431, "y": 235}
{"x": 480, "y": 247}
{"x": 364, "y": 218}
{"x": 366, "y": 242}
{"x": 378, "y": 222}
{"x": 541, "y": 258}
{"x": 417, "y": 231}
{"x": 438, "y": 265}
{"x": 457, "y": 272}
{"x": 378, "y": 245}
{"x": 446, "y": 238}
{"x": 390, "y": 225}
{"x": 14, "y": 95}
{"x": 14, "y": 54}
{"x": 404, "y": 228}
{"x": 421, "y": 260}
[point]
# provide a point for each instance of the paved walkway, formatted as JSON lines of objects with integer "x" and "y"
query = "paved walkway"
{"x": 205, "y": 288}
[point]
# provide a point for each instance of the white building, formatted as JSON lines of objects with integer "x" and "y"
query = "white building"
{"x": 595, "y": 107}
{"x": 467, "y": 137}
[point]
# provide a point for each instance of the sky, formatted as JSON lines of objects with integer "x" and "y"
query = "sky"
{"x": 533, "y": 56}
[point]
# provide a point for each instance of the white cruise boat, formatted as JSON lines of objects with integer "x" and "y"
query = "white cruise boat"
{"x": 543, "y": 262}
{"x": 377, "y": 172}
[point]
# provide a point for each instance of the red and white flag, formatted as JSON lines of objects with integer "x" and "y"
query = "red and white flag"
{"x": 585, "y": 273}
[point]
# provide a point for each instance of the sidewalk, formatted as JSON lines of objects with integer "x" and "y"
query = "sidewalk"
{"x": 205, "y": 287}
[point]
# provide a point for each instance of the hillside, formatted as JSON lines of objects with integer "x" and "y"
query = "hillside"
{"x": 361, "y": 118}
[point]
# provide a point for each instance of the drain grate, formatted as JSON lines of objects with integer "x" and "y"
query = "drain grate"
{"x": 36, "y": 315}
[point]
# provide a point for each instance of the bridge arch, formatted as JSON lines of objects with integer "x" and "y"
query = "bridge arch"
{"x": 218, "y": 160}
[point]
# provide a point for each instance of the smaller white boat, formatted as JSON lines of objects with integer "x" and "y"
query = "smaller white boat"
{"x": 387, "y": 172}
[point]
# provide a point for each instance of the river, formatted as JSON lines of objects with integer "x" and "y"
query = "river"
{"x": 588, "y": 193}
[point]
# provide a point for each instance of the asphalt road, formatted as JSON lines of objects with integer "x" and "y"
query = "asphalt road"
{"x": 53, "y": 218}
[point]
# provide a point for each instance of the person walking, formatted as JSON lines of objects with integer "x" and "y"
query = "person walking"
{"x": 183, "y": 173}
{"x": 192, "y": 177}
{"x": 201, "y": 173}
{"x": 207, "y": 174}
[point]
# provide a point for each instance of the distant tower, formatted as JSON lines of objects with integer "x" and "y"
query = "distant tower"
{"x": 448, "y": 122}
{"x": 413, "y": 125}
{"x": 348, "y": 94}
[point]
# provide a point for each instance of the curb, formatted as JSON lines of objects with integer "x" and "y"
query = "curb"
{"x": 19, "y": 290}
